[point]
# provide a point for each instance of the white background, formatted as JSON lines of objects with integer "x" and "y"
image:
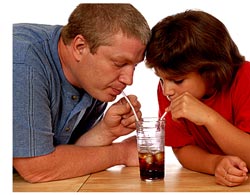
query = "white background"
{"x": 234, "y": 14}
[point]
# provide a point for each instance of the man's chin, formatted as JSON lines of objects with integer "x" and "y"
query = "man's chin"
{"x": 107, "y": 98}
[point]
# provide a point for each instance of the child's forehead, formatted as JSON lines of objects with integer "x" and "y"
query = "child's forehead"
{"x": 172, "y": 75}
{"x": 165, "y": 73}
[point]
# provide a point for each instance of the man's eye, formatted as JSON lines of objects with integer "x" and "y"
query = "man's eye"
{"x": 120, "y": 64}
{"x": 178, "y": 81}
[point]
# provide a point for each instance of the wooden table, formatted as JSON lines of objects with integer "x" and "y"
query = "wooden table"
{"x": 127, "y": 179}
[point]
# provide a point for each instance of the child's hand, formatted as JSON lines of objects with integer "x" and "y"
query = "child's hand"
{"x": 231, "y": 171}
{"x": 188, "y": 107}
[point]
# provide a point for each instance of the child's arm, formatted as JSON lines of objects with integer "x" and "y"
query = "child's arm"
{"x": 228, "y": 170}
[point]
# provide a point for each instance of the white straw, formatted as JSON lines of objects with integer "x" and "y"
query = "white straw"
{"x": 162, "y": 117}
{"x": 136, "y": 117}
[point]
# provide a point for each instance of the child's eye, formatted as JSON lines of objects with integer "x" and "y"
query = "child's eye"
{"x": 178, "y": 81}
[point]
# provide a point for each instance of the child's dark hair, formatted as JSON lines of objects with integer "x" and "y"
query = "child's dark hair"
{"x": 194, "y": 41}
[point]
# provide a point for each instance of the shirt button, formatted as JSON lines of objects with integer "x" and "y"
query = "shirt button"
{"x": 67, "y": 129}
{"x": 74, "y": 97}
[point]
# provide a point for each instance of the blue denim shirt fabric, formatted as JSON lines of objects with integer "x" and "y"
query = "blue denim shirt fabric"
{"x": 45, "y": 105}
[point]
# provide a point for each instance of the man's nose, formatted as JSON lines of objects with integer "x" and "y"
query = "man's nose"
{"x": 127, "y": 74}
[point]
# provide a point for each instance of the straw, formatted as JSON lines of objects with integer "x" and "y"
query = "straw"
{"x": 165, "y": 113}
{"x": 137, "y": 119}
{"x": 132, "y": 107}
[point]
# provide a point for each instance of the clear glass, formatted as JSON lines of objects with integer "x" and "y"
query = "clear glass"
{"x": 150, "y": 133}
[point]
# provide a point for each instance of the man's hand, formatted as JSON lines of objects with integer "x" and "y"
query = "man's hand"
{"x": 119, "y": 119}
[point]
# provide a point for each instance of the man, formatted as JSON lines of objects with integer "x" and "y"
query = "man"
{"x": 63, "y": 77}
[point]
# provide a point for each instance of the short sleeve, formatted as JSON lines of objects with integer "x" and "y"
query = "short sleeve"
{"x": 32, "y": 129}
{"x": 240, "y": 92}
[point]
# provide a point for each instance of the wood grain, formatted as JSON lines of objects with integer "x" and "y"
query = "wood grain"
{"x": 68, "y": 185}
{"x": 127, "y": 179}
{"x": 177, "y": 179}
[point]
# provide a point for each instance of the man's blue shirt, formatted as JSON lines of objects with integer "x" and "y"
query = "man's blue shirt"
{"x": 45, "y": 105}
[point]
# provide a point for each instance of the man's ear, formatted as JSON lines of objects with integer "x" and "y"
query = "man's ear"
{"x": 79, "y": 46}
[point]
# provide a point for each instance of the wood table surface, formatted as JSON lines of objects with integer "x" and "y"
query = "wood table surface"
{"x": 127, "y": 179}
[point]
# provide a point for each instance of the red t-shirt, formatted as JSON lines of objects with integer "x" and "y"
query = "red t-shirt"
{"x": 233, "y": 105}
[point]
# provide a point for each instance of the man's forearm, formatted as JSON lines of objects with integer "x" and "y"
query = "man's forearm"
{"x": 68, "y": 161}
{"x": 97, "y": 136}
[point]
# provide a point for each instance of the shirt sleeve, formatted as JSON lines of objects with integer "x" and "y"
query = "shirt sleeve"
{"x": 32, "y": 128}
{"x": 240, "y": 97}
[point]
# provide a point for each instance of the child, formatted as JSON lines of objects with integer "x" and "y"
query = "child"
{"x": 204, "y": 84}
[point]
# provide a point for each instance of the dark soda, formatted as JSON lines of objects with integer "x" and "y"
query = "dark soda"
{"x": 151, "y": 166}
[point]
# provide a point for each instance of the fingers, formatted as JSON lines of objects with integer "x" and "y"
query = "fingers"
{"x": 129, "y": 120}
{"x": 125, "y": 111}
{"x": 135, "y": 103}
{"x": 123, "y": 106}
{"x": 230, "y": 173}
{"x": 243, "y": 166}
{"x": 233, "y": 177}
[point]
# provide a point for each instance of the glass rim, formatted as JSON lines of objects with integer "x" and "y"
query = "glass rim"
{"x": 151, "y": 119}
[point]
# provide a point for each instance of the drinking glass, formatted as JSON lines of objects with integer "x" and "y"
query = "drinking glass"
{"x": 150, "y": 133}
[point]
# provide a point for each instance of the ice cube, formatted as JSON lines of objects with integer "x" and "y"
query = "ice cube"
{"x": 149, "y": 159}
{"x": 159, "y": 157}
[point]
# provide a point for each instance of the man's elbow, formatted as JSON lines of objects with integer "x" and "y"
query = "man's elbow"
{"x": 30, "y": 172}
